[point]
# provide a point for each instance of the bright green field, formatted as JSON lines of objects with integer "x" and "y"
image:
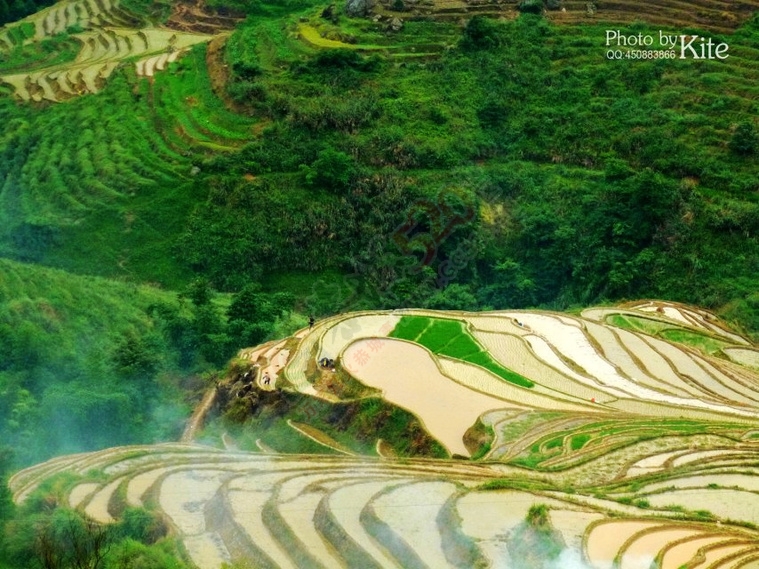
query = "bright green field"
{"x": 449, "y": 338}
{"x": 671, "y": 332}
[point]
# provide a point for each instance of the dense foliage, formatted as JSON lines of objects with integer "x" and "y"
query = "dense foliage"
{"x": 519, "y": 168}
{"x": 44, "y": 533}
{"x": 579, "y": 180}
{"x": 88, "y": 363}
{"x": 505, "y": 164}
{"x": 12, "y": 10}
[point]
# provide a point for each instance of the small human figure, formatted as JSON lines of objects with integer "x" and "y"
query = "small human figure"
{"x": 311, "y": 322}
{"x": 267, "y": 379}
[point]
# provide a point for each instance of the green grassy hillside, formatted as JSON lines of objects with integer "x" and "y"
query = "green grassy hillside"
{"x": 88, "y": 362}
{"x": 503, "y": 164}
{"x": 83, "y": 364}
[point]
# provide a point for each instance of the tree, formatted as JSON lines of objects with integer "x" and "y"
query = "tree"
{"x": 7, "y": 508}
{"x": 512, "y": 287}
{"x": 137, "y": 357}
{"x": 199, "y": 292}
{"x": 531, "y": 6}
{"x": 332, "y": 170}
{"x": 62, "y": 539}
{"x": 481, "y": 33}
{"x": 537, "y": 516}
{"x": 745, "y": 139}
{"x": 131, "y": 554}
{"x": 252, "y": 314}
{"x": 453, "y": 297}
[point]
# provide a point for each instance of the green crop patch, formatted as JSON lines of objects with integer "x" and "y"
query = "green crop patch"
{"x": 447, "y": 337}
{"x": 189, "y": 111}
{"x": 703, "y": 342}
{"x": 442, "y": 335}
{"x": 578, "y": 441}
{"x": 645, "y": 325}
{"x": 667, "y": 331}
{"x": 24, "y": 57}
{"x": 411, "y": 327}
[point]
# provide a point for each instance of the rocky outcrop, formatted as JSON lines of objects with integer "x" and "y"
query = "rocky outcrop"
{"x": 358, "y": 8}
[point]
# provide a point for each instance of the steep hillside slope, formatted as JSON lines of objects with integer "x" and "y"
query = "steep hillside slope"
{"x": 84, "y": 364}
{"x": 388, "y": 169}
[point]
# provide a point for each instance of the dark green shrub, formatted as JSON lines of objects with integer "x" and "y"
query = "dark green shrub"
{"x": 537, "y": 516}
{"x": 492, "y": 114}
{"x": 244, "y": 91}
{"x": 745, "y": 140}
{"x": 140, "y": 525}
{"x": 481, "y": 33}
{"x": 332, "y": 170}
{"x": 338, "y": 59}
{"x": 531, "y": 6}
{"x": 246, "y": 69}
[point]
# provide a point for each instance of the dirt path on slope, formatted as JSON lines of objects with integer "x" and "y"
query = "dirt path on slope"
{"x": 199, "y": 415}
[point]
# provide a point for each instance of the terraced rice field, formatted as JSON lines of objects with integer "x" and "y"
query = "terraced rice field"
{"x": 636, "y": 449}
{"x": 407, "y": 375}
{"x": 304, "y": 511}
{"x": 109, "y": 37}
{"x": 713, "y": 15}
{"x": 576, "y": 365}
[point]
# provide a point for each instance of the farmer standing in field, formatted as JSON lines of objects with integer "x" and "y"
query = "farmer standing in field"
{"x": 311, "y": 322}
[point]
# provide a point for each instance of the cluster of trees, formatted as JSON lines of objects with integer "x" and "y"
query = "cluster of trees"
{"x": 12, "y": 10}
{"x": 87, "y": 364}
{"x": 204, "y": 333}
{"x": 640, "y": 189}
{"x": 262, "y": 7}
{"x": 44, "y": 534}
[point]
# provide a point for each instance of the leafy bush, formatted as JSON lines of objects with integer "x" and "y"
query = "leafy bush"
{"x": 530, "y": 6}
{"x": 332, "y": 170}
{"x": 11, "y": 11}
{"x": 246, "y": 70}
{"x": 338, "y": 61}
{"x": 481, "y": 33}
{"x": 245, "y": 91}
{"x": 537, "y": 516}
{"x": 745, "y": 140}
